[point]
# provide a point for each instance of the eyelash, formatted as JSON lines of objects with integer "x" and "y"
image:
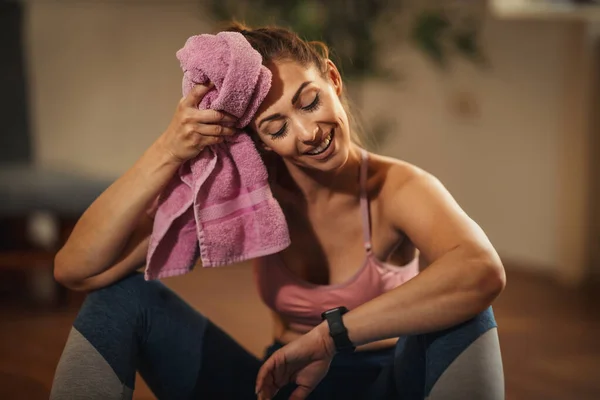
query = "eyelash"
{"x": 280, "y": 133}
{"x": 314, "y": 105}
{"x": 309, "y": 108}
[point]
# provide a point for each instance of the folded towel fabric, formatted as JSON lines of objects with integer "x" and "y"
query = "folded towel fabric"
{"x": 219, "y": 206}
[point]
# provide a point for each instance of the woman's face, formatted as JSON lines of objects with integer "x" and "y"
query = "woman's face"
{"x": 302, "y": 118}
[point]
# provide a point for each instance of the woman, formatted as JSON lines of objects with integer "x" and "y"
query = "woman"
{"x": 362, "y": 215}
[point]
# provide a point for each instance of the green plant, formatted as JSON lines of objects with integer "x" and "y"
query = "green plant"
{"x": 438, "y": 36}
{"x": 349, "y": 26}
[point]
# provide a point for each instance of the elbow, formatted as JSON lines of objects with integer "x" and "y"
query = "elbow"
{"x": 62, "y": 272}
{"x": 492, "y": 279}
{"x": 59, "y": 268}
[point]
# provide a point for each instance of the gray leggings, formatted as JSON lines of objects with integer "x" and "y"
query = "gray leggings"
{"x": 142, "y": 326}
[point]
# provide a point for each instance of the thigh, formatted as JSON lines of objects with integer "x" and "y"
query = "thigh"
{"x": 143, "y": 325}
{"x": 227, "y": 370}
{"x": 421, "y": 360}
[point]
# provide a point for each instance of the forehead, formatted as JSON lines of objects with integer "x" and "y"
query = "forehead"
{"x": 287, "y": 78}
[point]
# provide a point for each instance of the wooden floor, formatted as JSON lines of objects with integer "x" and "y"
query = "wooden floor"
{"x": 550, "y": 336}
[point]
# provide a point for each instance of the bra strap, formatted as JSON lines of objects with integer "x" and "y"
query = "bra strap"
{"x": 364, "y": 199}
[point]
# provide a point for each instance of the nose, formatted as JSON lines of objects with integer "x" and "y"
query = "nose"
{"x": 309, "y": 134}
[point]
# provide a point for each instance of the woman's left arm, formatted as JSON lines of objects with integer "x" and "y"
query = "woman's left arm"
{"x": 464, "y": 276}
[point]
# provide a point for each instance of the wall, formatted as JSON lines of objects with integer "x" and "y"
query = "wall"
{"x": 105, "y": 82}
{"x": 104, "y": 79}
{"x": 15, "y": 146}
{"x": 499, "y": 160}
{"x": 594, "y": 240}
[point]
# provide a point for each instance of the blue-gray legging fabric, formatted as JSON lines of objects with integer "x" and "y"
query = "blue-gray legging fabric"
{"x": 139, "y": 325}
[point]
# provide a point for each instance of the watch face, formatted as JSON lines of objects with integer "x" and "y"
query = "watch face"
{"x": 341, "y": 310}
{"x": 328, "y": 313}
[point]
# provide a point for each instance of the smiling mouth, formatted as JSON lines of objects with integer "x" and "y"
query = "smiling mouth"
{"x": 323, "y": 146}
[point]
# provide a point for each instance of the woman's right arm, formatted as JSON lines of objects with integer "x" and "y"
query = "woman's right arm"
{"x": 111, "y": 237}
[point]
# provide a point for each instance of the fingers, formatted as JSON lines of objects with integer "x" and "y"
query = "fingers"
{"x": 265, "y": 382}
{"x": 300, "y": 393}
{"x": 205, "y": 116}
{"x": 266, "y": 394}
{"x": 210, "y": 140}
{"x": 212, "y": 117}
{"x": 263, "y": 373}
{"x": 214, "y": 130}
{"x": 194, "y": 97}
{"x": 207, "y": 141}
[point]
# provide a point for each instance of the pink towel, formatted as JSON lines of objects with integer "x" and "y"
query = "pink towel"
{"x": 219, "y": 206}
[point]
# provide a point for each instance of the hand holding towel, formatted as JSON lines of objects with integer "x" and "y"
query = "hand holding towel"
{"x": 219, "y": 205}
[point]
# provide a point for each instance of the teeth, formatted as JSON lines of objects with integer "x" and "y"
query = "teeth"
{"x": 322, "y": 146}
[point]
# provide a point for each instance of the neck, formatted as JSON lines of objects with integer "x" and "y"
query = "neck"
{"x": 316, "y": 186}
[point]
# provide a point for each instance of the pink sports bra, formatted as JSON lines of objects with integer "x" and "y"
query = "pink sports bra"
{"x": 300, "y": 303}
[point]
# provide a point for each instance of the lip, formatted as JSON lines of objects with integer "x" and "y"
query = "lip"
{"x": 328, "y": 152}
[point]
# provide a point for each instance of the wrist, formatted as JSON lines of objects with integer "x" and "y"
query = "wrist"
{"x": 322, "y": 331}
{"x": 154, "y": 168}
{"x": 161, "y": 152}
{"x": 337, "y": 329}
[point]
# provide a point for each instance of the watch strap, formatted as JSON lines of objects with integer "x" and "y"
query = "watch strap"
{"x": 337, "y": 329}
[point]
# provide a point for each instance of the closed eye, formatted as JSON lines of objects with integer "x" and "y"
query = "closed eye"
{"x": 314, "y": 105}
{"x": 280, "y": 133}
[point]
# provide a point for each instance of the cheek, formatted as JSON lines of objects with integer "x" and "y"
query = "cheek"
{"x": 338, "y": 113}
{"x": 328, "y": 112}
{"x": 282, "y": 146}
{"x": 333, "y": 106}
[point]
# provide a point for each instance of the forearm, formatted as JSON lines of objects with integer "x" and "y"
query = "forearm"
{"x": 288, "y": 336}
{"x": 450, "y": 291}
{"x": 105, "y": 227}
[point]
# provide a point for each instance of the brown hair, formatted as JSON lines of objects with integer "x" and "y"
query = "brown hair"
{"x": 277, "y": 43}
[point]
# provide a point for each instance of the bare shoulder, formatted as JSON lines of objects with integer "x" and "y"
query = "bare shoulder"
{"x": 392, "y": 175}
{"x": 404, "y": 186}
{"x": 418, "y": 204}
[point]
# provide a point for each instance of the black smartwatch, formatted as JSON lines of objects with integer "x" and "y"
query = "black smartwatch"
{"x": 337, "y": 330}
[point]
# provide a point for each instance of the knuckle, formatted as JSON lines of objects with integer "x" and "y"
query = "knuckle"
{"x": 195, "y": 142}
{"x": 187, "y": 117}
{"x": 189, "y": 129}
{"x": 196, "y": 90}
{"x": 215, "y": 115}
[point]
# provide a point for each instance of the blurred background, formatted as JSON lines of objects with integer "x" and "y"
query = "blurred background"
{"x": 499, "y": 99}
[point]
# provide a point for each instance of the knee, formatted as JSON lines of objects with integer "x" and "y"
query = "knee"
{"x": 120, "y": 303}
{"x": 476, "y": 373}
{"x": 421, "y": 359}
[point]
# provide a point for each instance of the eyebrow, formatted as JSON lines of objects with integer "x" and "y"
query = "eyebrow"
{"x": 294, "y": 100}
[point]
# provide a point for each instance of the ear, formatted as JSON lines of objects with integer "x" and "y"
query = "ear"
{"x": 335, "y": 77}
